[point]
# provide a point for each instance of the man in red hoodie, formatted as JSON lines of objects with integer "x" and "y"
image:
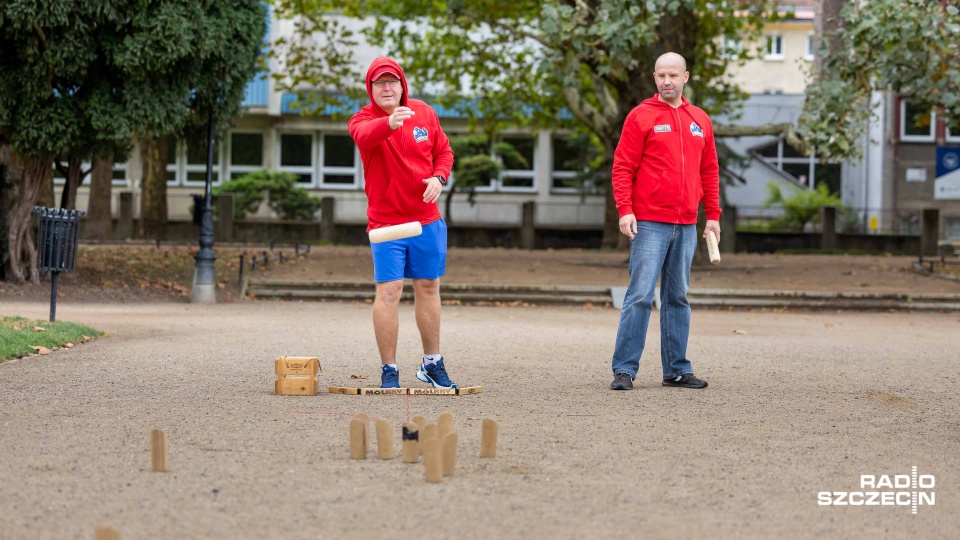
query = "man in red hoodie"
{"x": 406, "y": 162}
{"x": 665, "y": 165}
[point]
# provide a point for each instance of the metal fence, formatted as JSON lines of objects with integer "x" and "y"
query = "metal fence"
{"x": 850, "y": 220}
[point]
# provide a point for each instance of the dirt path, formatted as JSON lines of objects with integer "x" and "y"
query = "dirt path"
{"x": 797, "y": 404}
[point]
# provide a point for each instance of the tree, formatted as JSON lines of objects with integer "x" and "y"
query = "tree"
{"x": 908, "y": 47}
{"x": 526, "y": 62}
{"x": 85, "y": 76}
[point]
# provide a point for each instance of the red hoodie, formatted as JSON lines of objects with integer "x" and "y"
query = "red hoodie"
{"x": 666, "y": 163}
{"x": 396, "y": 162}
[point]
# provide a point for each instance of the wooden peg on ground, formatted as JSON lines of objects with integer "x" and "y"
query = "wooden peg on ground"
{"x": 358, "y": 439}
{"x": 106, "y": 533}
{"x": 410, "y": 447}
{"x": 432, "y": 460}
{"x": 420, "y": 421}
{"x": 428, "y": 431}
{"x": 444, "y": 425}
{"x": 449, "y": 443}
{"x": 158, "y": 450}
{"x": 488, "y": 438}
{"x": 385, "y": 448}
{"x": 366, "y": 430}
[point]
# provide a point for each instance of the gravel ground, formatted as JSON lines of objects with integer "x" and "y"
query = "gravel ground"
{"x": 798, "y": 403}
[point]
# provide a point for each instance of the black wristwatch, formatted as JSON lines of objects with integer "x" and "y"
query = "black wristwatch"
{"x": 443, "y": 181}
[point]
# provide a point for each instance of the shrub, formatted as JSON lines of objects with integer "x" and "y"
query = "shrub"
{"x": 283, "y": 195}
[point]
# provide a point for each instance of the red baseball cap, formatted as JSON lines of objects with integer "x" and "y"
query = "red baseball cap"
{"x": 384, "y": 70}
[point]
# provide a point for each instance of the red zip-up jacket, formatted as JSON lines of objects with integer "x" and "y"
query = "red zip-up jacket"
{"x": 666, "y": 163}
{"x": 395, "y": 162}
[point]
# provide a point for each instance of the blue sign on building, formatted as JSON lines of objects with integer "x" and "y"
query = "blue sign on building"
{"x": 947, "y": 184}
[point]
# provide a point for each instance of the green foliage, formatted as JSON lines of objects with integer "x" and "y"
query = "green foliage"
{"x": 17, "y": 335}
{"x": 802, "y": 207}
{"x": 283, "y": 195}
{"x": 905, "y": 46}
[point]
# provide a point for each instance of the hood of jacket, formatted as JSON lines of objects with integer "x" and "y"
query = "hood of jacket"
{"x": 375, "y": 66}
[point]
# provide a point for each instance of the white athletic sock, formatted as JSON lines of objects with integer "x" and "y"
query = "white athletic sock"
{"x": 431, "y": 359}
{"x": 394, "y": 366}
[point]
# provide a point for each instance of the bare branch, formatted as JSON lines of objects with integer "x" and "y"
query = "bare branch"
{"x": 784, "y": 129}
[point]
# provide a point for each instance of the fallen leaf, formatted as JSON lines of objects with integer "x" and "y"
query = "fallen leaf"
{"x": 86, "y": 338}
{"x": 359, "y": 376}
{"x": 68, "y": 345}
{"x": 40, "y": 350}
{"x": 828, "y": 326}
{"x": 739, "y": 332}
{"x": 39, "y": 329}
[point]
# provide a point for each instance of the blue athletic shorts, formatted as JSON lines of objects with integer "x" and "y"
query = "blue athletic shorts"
{"x": 417, "y": 257}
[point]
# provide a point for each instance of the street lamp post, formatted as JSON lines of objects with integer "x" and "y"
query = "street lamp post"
{"x": 204, "y": 282}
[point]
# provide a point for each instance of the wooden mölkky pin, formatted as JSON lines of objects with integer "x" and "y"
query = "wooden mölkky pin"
{"x": 366, "y": 430}
{"x": 428, "y": 431}
{"x": 158, "y": 450}
{"x": 106, "y": 533}
{"x": 432, "y": 461}
{"x": 488, "y": 438}
{"x": 385, "y": 448}
{"x": 358, "y": 439}
{"x": 410, "y": 447}
{"x": 449, "y": 444}
{"x": 420, "y": 421}
{"x": 444, "y": 425}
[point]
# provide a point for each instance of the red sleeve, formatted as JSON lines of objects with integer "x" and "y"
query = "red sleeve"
{"x": 368, "y": 130}
{"x": 710, "y": 176}
{"x": 626, "y": 161}
{"x": 442, "y": 153}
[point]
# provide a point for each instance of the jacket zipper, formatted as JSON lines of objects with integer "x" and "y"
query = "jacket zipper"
{"x": 683, "y": 165}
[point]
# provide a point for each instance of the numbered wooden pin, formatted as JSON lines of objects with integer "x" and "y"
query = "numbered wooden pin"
{"x": 158, "y": 450}
{"x": 385, "y": 448}
{"x": 106, "y": 533}
{"x": 488, "y": 438}
{"x": 449, "y": 444}
{"x": 444, "y": 425}
{"x": 410, "y": 447}
{"x": 420, "y": 421}
{"x": 432, "y": 461}
{"x": 358, "y": 439}
{"x": 366, "y": 430}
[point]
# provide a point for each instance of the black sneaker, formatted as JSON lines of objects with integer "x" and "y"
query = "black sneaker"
{"x": 622, "y": 381}
{"x": 687, "y": 380}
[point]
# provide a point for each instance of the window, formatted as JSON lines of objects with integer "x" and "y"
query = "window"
{"x": 119, "y": 173}
{"x": 916, "y": 125}
{"x": 246, "y": 153}
{"x": 172, "y": 169}
{"x": 774, "y": 48}
{"x": 296, "y": 155}
{"x": 731, "y": 48}
{"x": 194, "y": 157}
{"x": 953, "y": 134}
{"x": 339, "y": 164}
{"x": 562, "y": 175}
{"x": 811, "y": 48}
{"x": 518, "y": 171}
{"x": 806, "y": 171}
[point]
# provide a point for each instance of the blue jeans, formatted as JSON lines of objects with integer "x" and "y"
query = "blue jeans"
{"x": 665, "y": 250}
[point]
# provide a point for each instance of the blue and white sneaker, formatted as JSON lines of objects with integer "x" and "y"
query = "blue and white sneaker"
{"x": 389, "y": 377}
{"x": 435, "y": 375}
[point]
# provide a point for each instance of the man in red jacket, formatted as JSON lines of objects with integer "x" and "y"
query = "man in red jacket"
{"x": 665, "y": 165}
{"x": 406, "y": 162}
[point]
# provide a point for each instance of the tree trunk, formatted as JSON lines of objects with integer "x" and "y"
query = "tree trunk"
{"x": 45, "y": 192}
{"x": 6, "y": 188}
{"x": 99, "y": 222}
{"x": 153, "y": 189}
{"x": 73, "y": 175}
{"x": 21, "y": 253}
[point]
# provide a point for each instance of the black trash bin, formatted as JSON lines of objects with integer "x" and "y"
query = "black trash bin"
{"x": 57, "y": 245}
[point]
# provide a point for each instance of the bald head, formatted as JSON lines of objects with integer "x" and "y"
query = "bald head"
{"x": 670, "y": 74}
{"x": 671, "y": 59}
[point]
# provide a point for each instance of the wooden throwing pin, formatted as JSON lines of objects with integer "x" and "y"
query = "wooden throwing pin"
{"x": 158, "y": 450}
{"x": 432, "y": 460}
{"x": 444, "y": 425}
{"x": 488, "y": 438}
{"x": 358, "y": 439}
{"x": 420, "y": 421}
{"x": 385, "y": 449}
{"x": 449, "y": 443}
{"x": 410, "y": 447}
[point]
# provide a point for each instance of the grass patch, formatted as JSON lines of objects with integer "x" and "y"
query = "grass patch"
{"x": 18, "y": 336}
